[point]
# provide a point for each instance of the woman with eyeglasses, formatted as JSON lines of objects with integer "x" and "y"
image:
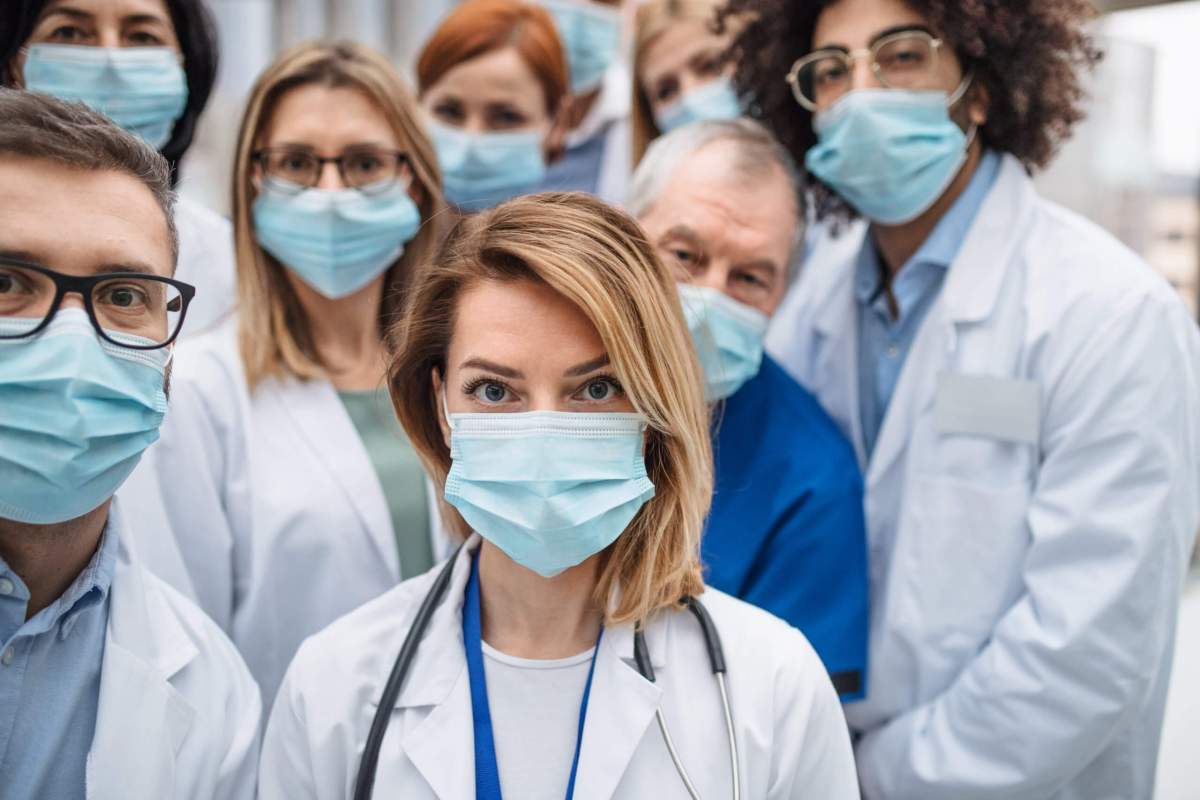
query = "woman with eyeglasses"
{"x": 1023, "y": 393}
{"x": 493, "y": 81}
{"x": 150, "y": 65}
{"x": 293, "y": 493}
{"x": 680, "y": 70}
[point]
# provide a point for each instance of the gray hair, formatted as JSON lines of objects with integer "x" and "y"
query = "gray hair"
{"x": 37, "y": 126}
{"x": 757, "y": 153}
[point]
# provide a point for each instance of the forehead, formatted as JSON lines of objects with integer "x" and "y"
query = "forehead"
{"x": 109, "y": 8}
{"x": 77, "y": 221}
{"x": 522, "y": 320}
{"x": 494, "y": 76}
{"x": 329, "y": 117}
{"x": 672, "y": 48}
{"x": 856, "y": 23}
{"x": 706, "y": 194}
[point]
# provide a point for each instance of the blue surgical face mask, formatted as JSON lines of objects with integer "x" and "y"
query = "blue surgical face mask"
{"x": 550, "y": 489}
{"x": 142, "y": 89}
{"x": 715, "y": 100}
{"x": 77, "y": 414}
{"x": 336, "y": 240}
{"x": 890, "y": 153}
{"x": 482, "y": 170}
{"x": 591, "y": 37}
{"x": 728, "y": 337}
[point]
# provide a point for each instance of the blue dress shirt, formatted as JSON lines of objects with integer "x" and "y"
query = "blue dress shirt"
{"x": 579, "y": 168}
{"x": 787, "y": 531}
{"x": 50, "y": 681}
{"x": 884, "y": 342}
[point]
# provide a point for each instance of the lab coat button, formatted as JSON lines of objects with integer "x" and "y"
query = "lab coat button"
{"x": 893, "y": 351}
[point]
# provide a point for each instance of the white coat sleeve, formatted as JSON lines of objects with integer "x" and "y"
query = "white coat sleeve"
{"x": 202, "y": 468}
{"x": 1112, "y": 516}
{"x": 238, "y": 774}
{"x": 812, "y": 756}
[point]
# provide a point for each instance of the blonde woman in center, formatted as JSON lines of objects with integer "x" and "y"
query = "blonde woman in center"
{"x": 293, "y": 494}
{"x": 543, "y": 371}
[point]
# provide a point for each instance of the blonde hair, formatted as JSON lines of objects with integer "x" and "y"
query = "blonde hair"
{"x": 655, "y": 18}
{"x": 598, "y": 258}
{"x": 274, "y": 333}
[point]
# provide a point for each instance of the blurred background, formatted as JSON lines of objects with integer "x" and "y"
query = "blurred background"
{"x": 1133, "y": 167}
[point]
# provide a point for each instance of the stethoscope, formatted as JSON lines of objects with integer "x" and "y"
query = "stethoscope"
{"x": 364, "y": 783}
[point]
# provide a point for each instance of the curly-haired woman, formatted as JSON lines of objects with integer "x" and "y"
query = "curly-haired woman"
{"x": 1022, "y": 391}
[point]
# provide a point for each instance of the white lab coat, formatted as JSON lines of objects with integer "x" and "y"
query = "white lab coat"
{"x": 1024, "y": 596}
{"x": 179, "y": 714}
{"x": 791, "y": 733}
{"x": 206, "y": 261}
{"x": 279, "y": 521}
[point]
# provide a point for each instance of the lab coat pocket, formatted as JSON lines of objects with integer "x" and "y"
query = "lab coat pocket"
{"x": 967, "y": 543}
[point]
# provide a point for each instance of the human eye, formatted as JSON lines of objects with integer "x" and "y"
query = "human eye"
{"x": 488, "y": 391}
{"x": 507, "y": 117}
{"x": 145, "y": 39}
{"x": 366, "y": 165}
{"x": 707, "y": 65}
{"x": 666, "y": 90}
{"x": 602, "y": 389}
{"x": 67, "y": 34}
{"x": 129, "y": 297}
{"x": 449, "y": 111}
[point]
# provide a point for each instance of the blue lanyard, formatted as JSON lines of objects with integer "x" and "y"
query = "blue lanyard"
{"x": 487, "y": 773}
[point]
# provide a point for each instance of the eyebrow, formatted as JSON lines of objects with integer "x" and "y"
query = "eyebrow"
{"x": 102, "y": 269}
{"x": 886, "y": 32}
{"x": 492, "y": 366}
{"x": 681, "y": 232}
{"x": 580, "y": 370}
{"x": 78, "y": 13}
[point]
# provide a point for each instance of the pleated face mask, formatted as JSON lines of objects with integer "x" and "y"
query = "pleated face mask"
{"x": 728, "y": 337}
{"x": 336, "y": 240}
{"x": 77, "y": 414}
{"x": 550, "y": 489}
{"x": 142, "y": 89}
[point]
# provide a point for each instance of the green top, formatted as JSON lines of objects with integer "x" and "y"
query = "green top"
{"x": 400, "y": 474}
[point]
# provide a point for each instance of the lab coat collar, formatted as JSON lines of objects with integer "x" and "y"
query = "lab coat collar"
{"x": 836, "y": 323}
{"x": 612, "y": 105}
{"x": 612, "y": 732}
{"x": 975, "y": 280}
{"x": 322, "y": 421}
{"x": 971, "y": 294}
{"x": 142, "y": 720}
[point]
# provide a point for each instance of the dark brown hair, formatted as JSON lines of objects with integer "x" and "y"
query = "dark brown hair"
{"x": 36, "y": 126}
{"x": 1027, "y": 54}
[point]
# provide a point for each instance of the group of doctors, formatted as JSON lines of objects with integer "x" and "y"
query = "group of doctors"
{"x": 393, "y": 474}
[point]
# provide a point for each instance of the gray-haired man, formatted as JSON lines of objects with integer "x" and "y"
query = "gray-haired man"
{"x": 721, "y": 203}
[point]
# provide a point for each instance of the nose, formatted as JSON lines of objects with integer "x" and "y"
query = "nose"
{"x": 715, "y": 277}
{"x": 71, "y": 300}
{"x": 864, "y": 76}
{"x": 330, "y": 178}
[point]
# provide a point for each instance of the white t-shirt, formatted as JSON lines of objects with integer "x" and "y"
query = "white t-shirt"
{"x": 535, "y": 720}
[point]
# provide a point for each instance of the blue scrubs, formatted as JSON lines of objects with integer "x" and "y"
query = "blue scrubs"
{"x": 787, "y": 531}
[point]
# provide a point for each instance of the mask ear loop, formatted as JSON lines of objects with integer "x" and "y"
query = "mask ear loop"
{"x": 954, "y": 100}
{"x": 445, "y": 407}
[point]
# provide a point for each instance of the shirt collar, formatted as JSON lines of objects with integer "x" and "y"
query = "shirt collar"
{"x": 89, "y": 588}
{"x": 941, "y": 247}
{"x": 612, "y": 105}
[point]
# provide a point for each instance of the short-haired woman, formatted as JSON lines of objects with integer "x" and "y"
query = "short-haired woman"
{"x": 544, "y": 372}
{"x": 292, "y": 491}
{"x": 493, "y": 80}
{"x": 1021, "y": 389}
{"x": 151, "y": 67}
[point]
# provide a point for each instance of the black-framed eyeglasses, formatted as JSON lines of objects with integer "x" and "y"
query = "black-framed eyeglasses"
{"x": 368, "y": 169}
{"x": 128, "y": 309}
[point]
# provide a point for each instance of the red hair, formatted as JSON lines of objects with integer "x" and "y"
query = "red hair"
{"x": 478, "y": 27}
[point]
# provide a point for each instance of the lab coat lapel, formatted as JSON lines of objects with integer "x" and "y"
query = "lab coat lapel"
{"x": 321, "y": 420}
{"x": 619, "y": 713}
{"x": 970, "y": 295}
{"x": 142, "y": 720}
{"x": 836, "y": 328}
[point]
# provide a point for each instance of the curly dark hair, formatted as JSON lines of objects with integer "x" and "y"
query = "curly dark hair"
{"x": 1028, "y": 54}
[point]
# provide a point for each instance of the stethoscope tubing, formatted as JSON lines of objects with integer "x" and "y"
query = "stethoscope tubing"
{"x": 364, "y": 784}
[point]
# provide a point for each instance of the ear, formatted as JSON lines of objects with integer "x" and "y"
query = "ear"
{"x": 438, "y": 385}
{"x": 979, "y": 104}
{"x": 556, "y": 139}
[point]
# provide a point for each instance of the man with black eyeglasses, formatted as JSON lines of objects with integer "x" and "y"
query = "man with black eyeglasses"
{"x": 111, "y": 684}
